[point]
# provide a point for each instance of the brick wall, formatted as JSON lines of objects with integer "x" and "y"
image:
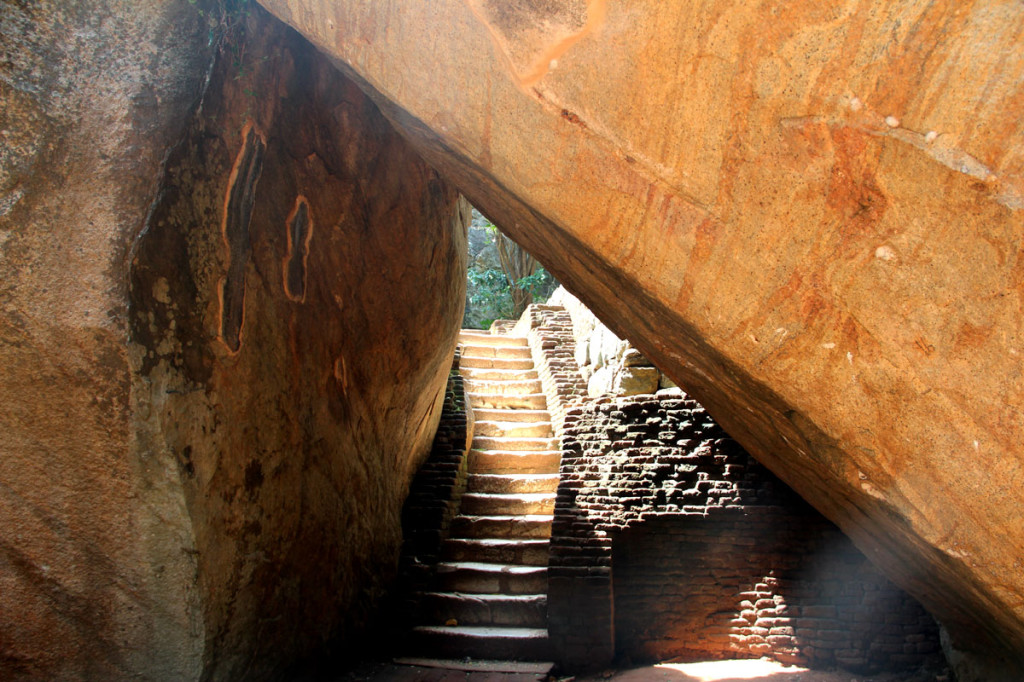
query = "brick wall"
{"x": 436, "y": 491}
{"x": 670, "y": 541}
{"x": 548, "y": 330}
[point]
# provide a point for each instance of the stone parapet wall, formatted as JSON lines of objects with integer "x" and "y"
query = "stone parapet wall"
{"x": 669, "y": 540}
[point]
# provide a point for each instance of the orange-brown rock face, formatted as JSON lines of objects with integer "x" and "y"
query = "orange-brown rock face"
{"x": 810, "y": 214}
{"x": 295, "y": 301}
{"x": 226, "y": 323}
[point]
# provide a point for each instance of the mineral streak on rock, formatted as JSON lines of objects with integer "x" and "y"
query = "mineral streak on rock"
{"x": 238, "y": 205}
{"x": 300, "y": 232}
{"x": 736, "y": 176}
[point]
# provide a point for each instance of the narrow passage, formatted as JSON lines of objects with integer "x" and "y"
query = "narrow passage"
{"x": 490, "y": 597}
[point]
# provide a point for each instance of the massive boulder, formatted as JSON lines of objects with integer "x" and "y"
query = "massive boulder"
{"x": 230, "y": 294}
{"x": 808, "y": 214}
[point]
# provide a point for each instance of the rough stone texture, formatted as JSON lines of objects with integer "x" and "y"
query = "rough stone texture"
{"x": 96, "y": 553}
{"x": 225, "y": 337}
{"x": 636, "y": 381}
{"x": 548, "y": 330}
{"x": 303, "y": 441}
{"x": 610, "y": 365}
{"x": 706, "y": 554}
{"x": 808, "y": 214}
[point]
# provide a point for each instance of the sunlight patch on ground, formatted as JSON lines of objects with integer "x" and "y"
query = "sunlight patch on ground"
{"x": 712, "y": 671}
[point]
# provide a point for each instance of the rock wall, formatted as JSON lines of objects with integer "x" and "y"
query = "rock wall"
{"x": 230, "y": 297}
{"x": 669, "y": 541}
{"x": 96, "y": 549}
{"x": 808, "y": 214}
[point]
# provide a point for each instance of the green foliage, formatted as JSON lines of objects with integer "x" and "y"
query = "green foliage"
{"x": 489, "y": 297}
{"x": 503, "y": 293}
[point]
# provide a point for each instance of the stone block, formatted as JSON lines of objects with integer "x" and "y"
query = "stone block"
{"x": 600, "y": 382}
{"x": 631, "y": 357}
{"x": 635, "y": 381}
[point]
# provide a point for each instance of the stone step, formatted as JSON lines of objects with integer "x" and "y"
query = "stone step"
{"x": 530, "y": 552}
{"x": 462, "y": 641}
{"x": 482, "y": 338}
{"x": 514, "y": 461}
{"x": 491, "y": 504}
{"x": 495, "y": 363}
{"x": 488, "y": 414}
{"x": 520, "y": 387}
{"x": 537, "y": 429}
{"x": 509, "y": 610}
{"x": 507, "y": 352}
{"x": 512, "y": 483}
{"x": 486, "y": 578}
{"x": 512, "y": 443}
{"x": 523, "y": 671}
{"x": 533, "y": 526}
{"x": 492, "y": 374}
{"x": 533, "y": 401}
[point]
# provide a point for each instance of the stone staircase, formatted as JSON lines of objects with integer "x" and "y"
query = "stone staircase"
{"x": 489, "y": 600}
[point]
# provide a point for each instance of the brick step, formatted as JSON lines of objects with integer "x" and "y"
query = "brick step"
{"x": 512, "y": 483}
{"x": 486, "y": 578}
{"x": 508, "y": 352}
{"x": 537, "y": 429}
{"x": 500, "y": 504}
{"x": 505, "y": 416}
{"x": 532, "y": 401}
{"x": 514, "y": 443}
{"x": 504, "y": 527}
{"x": 531, "y": 552}
{"x": 509, "y": 610}
{"x": 514, "y": 461}
{"x": 475, "y": 337}
{"x": 522, "y": 644}
{"x": 495, "y": 363}
{"x": 492, "y": 374}
{"x": 520, "y": 387}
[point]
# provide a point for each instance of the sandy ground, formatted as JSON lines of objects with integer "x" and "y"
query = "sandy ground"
{"x": 716, "y": 671}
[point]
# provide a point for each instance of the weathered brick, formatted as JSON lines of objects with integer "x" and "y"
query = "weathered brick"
{"x": 733, "y": 541}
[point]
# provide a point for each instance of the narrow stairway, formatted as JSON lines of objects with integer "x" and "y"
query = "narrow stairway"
{"x": 490, "y": 597}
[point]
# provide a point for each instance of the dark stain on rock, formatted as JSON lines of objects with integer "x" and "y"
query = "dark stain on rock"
{"x": 253, "y": 476}
{"x": 573, "y": 118}
{"x": 853, "y": 191}
{"x": 524, "y": 15}
{"x": 186, "y": 461}
{"x": 300, "y": 231}
{"x": 238, "y": 205}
